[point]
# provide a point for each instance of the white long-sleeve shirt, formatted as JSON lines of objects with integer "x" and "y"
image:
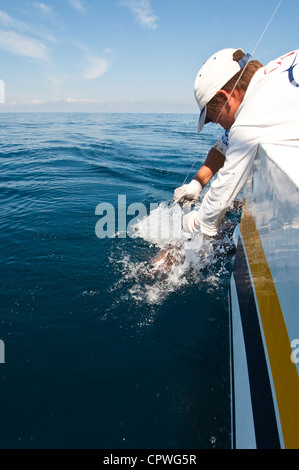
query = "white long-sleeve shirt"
{"x": 269, "y": 113}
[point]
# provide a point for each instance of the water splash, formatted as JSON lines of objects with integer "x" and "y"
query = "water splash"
{"x": 172, "y": 258}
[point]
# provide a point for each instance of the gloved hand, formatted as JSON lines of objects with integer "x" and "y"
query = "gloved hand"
{"x": 189, "y": 223}
{"x": 188, "y": 193}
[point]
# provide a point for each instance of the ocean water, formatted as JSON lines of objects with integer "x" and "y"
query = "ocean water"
{"x": 102, "y": 349}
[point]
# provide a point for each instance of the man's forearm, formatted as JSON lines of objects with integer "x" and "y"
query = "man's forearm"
{"x": 214, "y": 161}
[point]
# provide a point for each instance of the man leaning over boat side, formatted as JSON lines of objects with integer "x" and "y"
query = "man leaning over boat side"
{"x": 256, "y": 105}
{"x": 189, "y": 193}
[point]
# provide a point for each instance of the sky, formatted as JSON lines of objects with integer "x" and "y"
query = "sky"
{"x": 127, "y": 55}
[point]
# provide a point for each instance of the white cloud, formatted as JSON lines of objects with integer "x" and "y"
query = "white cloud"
{"x": 22, "y": 45}
{"x": 27, "y": 103}
{"x": 76, "y": 104}
{"x": 94, "y": 65}
{"x": 32, "y": 30}
{"x": 44, "y": 7}
{"x": 83, "y": 101}
{"x": 142, "y": 12}
{"x": 21, "y": 28}
{"x": 5, "y": 19}
{"x": 77, "y": 4}
{"x": 8, "y": 21}
{"x": 97, "y": 67}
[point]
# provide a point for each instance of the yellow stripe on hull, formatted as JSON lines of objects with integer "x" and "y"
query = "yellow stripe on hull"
{"x": 284, "y": 371}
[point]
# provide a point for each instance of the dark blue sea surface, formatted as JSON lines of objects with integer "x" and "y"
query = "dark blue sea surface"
{"x": 97, "y": 353}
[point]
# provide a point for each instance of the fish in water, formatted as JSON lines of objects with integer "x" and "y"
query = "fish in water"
{"x": 165, "y": 259}
{"x": 221, "y": 246}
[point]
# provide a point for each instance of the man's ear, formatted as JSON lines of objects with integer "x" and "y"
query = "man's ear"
{"x": 223, "y": 94}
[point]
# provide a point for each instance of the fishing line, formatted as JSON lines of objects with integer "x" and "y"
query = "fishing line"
{"x": 243, "y": 70}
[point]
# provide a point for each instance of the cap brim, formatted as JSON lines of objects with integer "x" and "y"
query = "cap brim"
{"x": 202, "y": 119}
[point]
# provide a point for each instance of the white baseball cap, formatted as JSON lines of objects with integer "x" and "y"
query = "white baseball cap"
{"x": 212, "y": 76}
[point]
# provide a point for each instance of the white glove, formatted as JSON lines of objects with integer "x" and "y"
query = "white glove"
{"x": 189, "y": 222}
{"x": 188, "y": 193}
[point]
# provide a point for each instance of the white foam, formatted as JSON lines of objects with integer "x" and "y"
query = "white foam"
{"x": 144, "y": 283}
{"x": 162, "y": 226}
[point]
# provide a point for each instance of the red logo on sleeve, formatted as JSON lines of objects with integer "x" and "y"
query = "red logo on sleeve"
{"x": 275, "y": 64}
